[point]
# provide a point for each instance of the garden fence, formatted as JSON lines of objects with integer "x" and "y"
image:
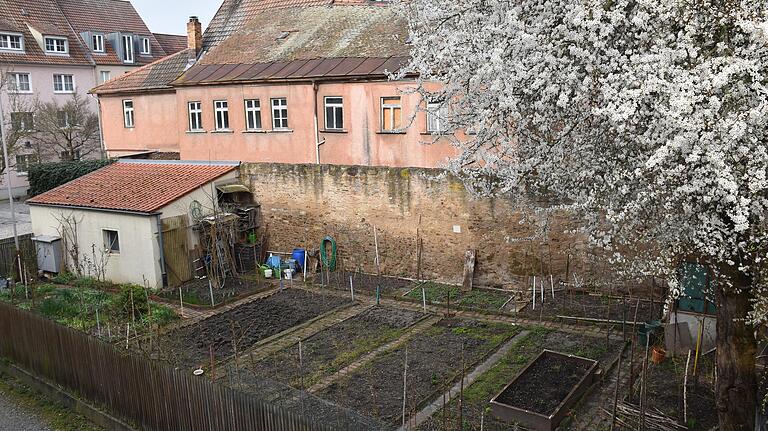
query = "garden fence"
{"x": 8, "y": 255}
{"x": 149, "y": 394}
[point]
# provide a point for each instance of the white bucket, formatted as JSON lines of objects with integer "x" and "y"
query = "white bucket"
{"x": 267, "y": 273}
{"x": 288, "y": 274}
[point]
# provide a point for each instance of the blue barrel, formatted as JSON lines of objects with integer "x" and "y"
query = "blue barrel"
{"x": 298, "y": 254}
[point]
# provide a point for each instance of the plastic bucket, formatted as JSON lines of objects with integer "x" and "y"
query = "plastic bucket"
{"x": 267, "y": 273}
{"x": 288, "y": 274}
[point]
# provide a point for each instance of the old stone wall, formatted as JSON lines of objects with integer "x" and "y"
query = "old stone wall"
{"x": 301, "y": 204}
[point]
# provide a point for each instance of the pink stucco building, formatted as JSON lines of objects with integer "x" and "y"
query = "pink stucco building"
{"x": 52, "y": 49}
{"x": 288, "y": 81}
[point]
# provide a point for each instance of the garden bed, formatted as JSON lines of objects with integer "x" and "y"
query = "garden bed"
{"x": 540, "y": 396}
{"x": 434, "y": 363}
{"x": 197, "y": 292}
{"x": 336, "y": 347}
{"x": 490, "y": 383}
{"x": 478, "y": 298}
{"x": 102, "y": 313}
{"x": 243, "y": 326}
{"x": 366, "y": 283}
{"x": 590, "y": 306}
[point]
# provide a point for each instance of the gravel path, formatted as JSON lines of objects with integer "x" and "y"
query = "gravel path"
{"x": 14, "y": 417}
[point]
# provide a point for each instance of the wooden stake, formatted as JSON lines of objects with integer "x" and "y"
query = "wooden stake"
{"x": 351, "y": 288}
{"x": 376, "y": 245}
{"x": 405, "y": 383}
{"x": 616, "y": 391}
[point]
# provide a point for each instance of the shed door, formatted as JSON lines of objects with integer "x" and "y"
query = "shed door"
{"x": 176, "y": 250}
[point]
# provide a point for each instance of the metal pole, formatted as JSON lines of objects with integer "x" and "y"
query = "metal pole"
{"x": 8, "y": 175}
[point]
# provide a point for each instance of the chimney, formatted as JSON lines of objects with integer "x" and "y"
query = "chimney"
{"x": 194, "y": 34}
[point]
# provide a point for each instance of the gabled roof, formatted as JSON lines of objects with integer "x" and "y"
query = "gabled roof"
{"x": 43, "y": 16}
{"x": 234, "y": 14}
{"x": 110, "y": 16}
{"x": 155, "y": 76}
{"x": 314, "y": 32}
{"x": 171, "y": 43}
{"x": 138, "y": 186}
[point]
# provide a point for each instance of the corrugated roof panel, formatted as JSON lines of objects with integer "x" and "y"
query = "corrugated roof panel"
{"x": 368, "y": 66}
{"x": 326, "y": 66}
{"x": 346, "y": 66}
{"x": 307, "y": 68}
{"x": 222, "y": 72}
{"x": 290, "y": 69}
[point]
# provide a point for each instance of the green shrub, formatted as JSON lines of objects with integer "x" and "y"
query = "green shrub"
{"x": 161, "y": 315}
{"x": 46, "y": 176}
{"x": 64, "y": 278}
{"x": 131, "y": 302}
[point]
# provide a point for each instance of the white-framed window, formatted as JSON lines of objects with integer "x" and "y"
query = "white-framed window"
{"x": 70, "y": 155}
{"x": 279, "y": 113}
{"x": 23, "y": 162}
{"x": 64, "y": 119}
{"x": 195, "y": 116}
{"x": 334, "y": 113}
{"x": 435, "y": 118}
{"x": 56, "y": 45}
{"x": 127, "y": 48}
{"x": 104, "y": 76}
{"x": 111, "y": 241}
{"x": 11, "y": 42}
{"x": 19, "y": 82}
{"x": 221, "y": 109}
{"x": 391, "y": 114}
{"x": 253, "y": 114}
{"x": 145, "y": 46}
{"x": 23, "y": 121}
{"x": 128, "y": 113}
{"x": 63, "y": 83}
{"x": 98, "y": 42}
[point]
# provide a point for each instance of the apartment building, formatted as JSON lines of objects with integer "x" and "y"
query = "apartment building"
{"x": 53, "y": 49}
{"x": 293, "y": 81}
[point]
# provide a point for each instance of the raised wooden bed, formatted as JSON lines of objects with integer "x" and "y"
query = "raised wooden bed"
{"x": 541, "y": 395}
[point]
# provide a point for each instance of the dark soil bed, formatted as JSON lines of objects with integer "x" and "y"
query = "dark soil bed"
{"x": 490, "y": 383}
{"x": 434, "y": 362}
{"x": 447, "y": 295}
{"x": 197, "y": 292}
{"x": 365, "y": 283}
{"x": 590, "y": 306}
{"x": 246, "y": 324}
{"x": 545, "y": 384}
{"x": 336, "y": 347}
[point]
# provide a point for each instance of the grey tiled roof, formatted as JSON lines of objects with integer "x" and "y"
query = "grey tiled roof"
{"x": 152, "y": 77}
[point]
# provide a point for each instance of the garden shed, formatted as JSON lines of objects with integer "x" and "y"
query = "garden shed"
{"x": 129, "y": 222}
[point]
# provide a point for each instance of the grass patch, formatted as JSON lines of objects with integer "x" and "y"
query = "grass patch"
{"x": 476, "y": 298}
{"x": 56, "y": 416}
{"x": 78, "y": 307}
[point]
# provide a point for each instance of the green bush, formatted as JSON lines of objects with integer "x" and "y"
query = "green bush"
{"x": 64, "y": 278}
{"x": 131, "y": 299}
{"x": 46, "y": 176}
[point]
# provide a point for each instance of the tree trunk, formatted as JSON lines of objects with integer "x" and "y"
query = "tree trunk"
{"x": 736, "y": 389}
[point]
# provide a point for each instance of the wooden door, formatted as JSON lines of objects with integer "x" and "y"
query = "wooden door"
{"x": 176, "y": 250}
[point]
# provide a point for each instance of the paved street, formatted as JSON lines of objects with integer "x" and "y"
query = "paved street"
{"x": 16, "y": 417}
{"x": 23, "y": 223}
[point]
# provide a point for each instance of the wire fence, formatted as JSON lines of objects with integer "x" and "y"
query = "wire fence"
{"x": 148, "y": 394}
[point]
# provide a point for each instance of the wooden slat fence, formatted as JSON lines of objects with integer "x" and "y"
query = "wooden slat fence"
{"x": 8, "y": 255}
{"x": 151, "y": 395}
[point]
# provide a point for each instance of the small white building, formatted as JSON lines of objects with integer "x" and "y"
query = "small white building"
{"x": 112, "y": 220}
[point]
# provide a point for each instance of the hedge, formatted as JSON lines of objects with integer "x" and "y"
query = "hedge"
{"x": 46, "y": 176}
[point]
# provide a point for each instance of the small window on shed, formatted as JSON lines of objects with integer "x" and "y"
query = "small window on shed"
{"x": 111, "y": 241}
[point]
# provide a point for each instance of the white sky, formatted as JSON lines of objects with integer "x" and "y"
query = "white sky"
{"x": 171, "y": 16}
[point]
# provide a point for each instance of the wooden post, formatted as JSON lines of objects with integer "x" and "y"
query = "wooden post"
{"x": 469, "y": 270}
{"x": 376, "y": 245}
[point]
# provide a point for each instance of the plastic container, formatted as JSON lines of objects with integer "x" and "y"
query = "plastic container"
{"x": 647, "y": 330}
{"x": 298, "y": 254}
{"x": 288, "y": 274}
{"x": 267, "y": 273}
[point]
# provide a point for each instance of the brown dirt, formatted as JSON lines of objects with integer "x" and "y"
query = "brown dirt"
{"x": 545, "y": 384}
{"x": 434, "y": 361}
{"x": 246, "y": 325}
{"x": 590, "y": 306}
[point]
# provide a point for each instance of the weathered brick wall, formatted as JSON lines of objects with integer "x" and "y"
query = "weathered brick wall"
{"x": 303, "y": 203}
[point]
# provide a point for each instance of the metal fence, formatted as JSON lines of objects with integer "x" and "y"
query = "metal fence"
{"x": 151, "y": 395}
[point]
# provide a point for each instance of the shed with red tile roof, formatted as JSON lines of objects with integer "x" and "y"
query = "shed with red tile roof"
{"x": 117, "y": 216}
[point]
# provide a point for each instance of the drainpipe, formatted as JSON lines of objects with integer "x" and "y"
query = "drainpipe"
{"x": 162, "y": 255}
{"x": 318, "y": 142}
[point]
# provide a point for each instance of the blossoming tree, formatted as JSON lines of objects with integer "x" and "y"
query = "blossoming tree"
{"x": 649, "y": 116}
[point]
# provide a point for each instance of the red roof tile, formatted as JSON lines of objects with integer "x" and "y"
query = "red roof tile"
{"x": 171, "y": 43}
{"x": 136, "y": 186}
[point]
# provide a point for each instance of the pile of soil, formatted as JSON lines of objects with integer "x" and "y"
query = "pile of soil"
{"x": 251, "y": 322}
{"x": 545, "y": 384}
{"x": 336, "y": 347}
{"x": 434, "y": 361}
